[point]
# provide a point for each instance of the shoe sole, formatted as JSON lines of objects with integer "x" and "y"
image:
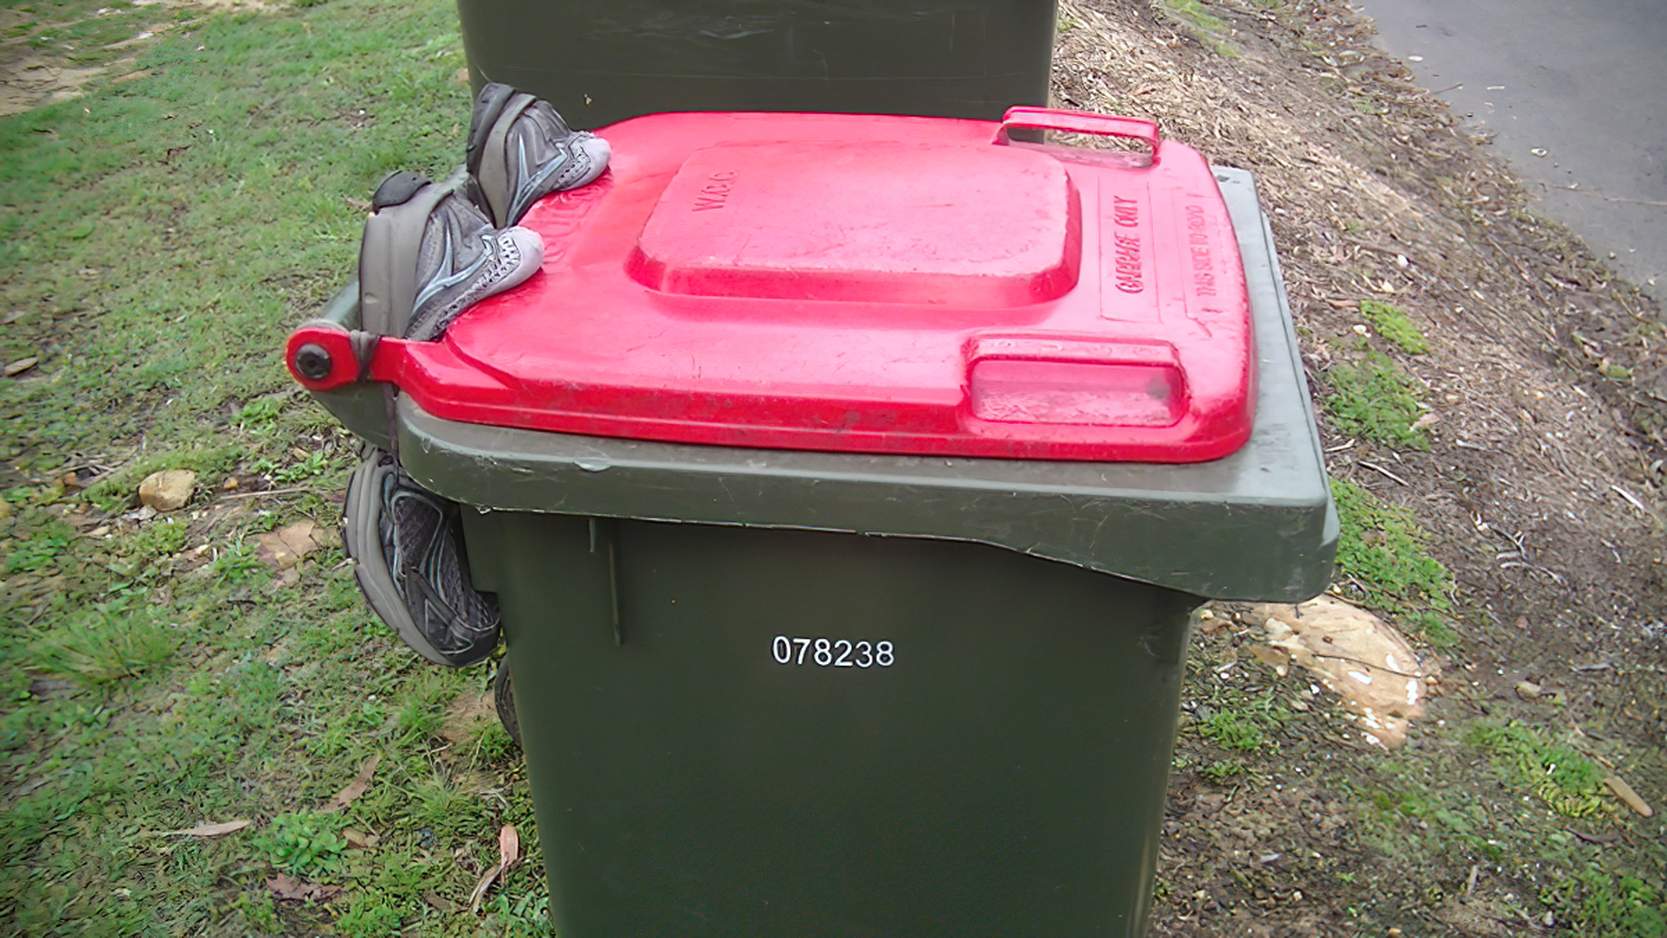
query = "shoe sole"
{"x": 362, "y": 536}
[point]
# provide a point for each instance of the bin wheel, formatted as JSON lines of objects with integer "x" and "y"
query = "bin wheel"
{"x": 503, "y": 696}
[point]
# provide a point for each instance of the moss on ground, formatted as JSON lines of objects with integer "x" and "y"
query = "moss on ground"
{"x": 1394, "y": 325}
{"x": 1384, "y": 561}
{"x": 1375, "y": 399}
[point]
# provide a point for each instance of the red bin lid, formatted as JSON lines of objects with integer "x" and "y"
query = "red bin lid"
{"x": 870, "y": 284}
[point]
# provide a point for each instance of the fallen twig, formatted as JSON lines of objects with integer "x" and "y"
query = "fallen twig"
{"x": 1631, "y": 498}
{"x": 268, "y": 492}
{"x": 1379, "y": 469}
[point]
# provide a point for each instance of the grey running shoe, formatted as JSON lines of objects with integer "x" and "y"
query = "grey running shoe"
{"x": 430, "y": 253}
{"x": 407, "y": 548}
{"x": 520, "y": 150}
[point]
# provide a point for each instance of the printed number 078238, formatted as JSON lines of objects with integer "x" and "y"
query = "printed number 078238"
{"x": 799, "y": 651}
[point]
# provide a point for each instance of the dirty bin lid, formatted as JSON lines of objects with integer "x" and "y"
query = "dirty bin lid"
{"x": 871, "y": 284}
{"x": 1258, "y": 524}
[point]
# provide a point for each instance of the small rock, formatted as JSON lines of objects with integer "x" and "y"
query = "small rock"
{"x": 167, "y": 490}
{"x": 1539, "y": 152}
{"x": 1360, "y": 329}
{"x": 1528, "y": 690}
{"x": 142, "y": 513}
{"x": 13, "y": 369}
{"x": 1394, "y": 933}
{"x": 99, "y": 531}
{"x": 1357, "y": 655}
{"x": 230, "y": 484}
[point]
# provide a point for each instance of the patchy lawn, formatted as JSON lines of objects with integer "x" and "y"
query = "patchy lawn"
{"x": 161, "y": 235}
{"x": 166, "y": 677}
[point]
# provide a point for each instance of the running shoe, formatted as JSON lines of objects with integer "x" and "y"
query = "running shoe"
{"x": 429, "y": 253}
{"x": 520, "y": 150}
{"x": 407, "y": 547}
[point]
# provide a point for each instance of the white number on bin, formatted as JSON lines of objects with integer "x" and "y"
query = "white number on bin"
{"x": 831, "y": 652}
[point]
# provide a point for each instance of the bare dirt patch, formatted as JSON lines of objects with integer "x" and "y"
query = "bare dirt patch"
{"x": 32, "y": 79}
{"x": 1538, "y": 475}
{"x": 36, "y": 69}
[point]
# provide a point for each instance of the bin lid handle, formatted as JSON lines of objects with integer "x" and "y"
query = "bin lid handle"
{"x": 1079, "y": 122}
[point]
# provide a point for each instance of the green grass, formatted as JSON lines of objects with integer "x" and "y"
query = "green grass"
{"x": 1433, "y": 626}
{"x": 1208, "y": 28}
{"x": 1384, "y": 561}
{"x": 1230, "y": 729}
{"x": 1599, "y": 904}
{"x": 1568, "y": 782}
{"x": 105, "y": 643}
{"x": 1196, "y": 15}
{"x": 1223, "y": 770}
{"x": 306, "y": 843}
{"x": 1414, "y": 819}
{"x": 159, "y": 238}
{"x": 1394, "y": 326}
{"x": 1241, "y": 722}
{"x": 38, "y": 549}
{"x": 1374, "y": 399}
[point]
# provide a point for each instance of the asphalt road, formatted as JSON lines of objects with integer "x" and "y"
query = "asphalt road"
{"x": 1575, "y": 93}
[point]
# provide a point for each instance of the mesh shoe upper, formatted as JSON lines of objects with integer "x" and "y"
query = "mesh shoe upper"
{"x": 429, "y": 253}
{"x": 409, "y": 558}
{"x": 521, "y": 150}
{"x": 462, "y": 259}
{"x": 423, "y": 545}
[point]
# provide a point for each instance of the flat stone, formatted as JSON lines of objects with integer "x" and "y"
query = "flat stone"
{"x": 168, "y": 490}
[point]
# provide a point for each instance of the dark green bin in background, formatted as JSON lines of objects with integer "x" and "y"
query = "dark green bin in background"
{"x": 601, "y": 61}
{"x": 1004, "y": 776}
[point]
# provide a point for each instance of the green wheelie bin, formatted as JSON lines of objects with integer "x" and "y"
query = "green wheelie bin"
{"x": 847, "y": 485}
{"x": 601, "y": 61}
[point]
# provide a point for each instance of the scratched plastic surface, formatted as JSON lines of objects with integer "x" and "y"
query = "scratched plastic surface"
{"x": 869, "y": 284}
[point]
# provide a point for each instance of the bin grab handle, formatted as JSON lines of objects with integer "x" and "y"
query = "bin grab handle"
{"x": 1078, "y": 122}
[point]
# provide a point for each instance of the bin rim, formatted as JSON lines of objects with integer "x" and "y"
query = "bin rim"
{"x": 1256, "y": 525}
